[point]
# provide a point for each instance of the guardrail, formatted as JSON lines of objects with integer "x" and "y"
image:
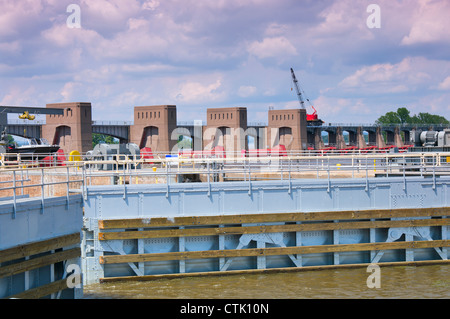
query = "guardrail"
{"x": 127, "y": 169}
{"x": 35, "y": 179}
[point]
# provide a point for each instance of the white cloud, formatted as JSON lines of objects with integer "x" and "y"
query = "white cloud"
{"x": 68, "y": 91}
{"x": 215, "y": 53}
{"x": 137, "y": 23}
{"x": 343, "y": 18}
{"x": 150, "y": 5}
{"x": 19, "y": 96}
{"x": 430, "y": 23}
{"x": 278, "y": 47}
{"x": 13, "y": 47}
{"x": 63, "y": 36}
{"x": 404, "y": 76}
{"x": 128, "y": 98}
{"x": 445, "y": 85}
{"x": 276, "y": 29}
{"x": 133, "y": 42}
{"x": 194, "y": 92}
{"x": 108, "y": 16}
{"x": 246, "y": 90}
{"x": 340, "y": 110}
{"x": 15, "y": 15}
{"x": 147, "y": 68}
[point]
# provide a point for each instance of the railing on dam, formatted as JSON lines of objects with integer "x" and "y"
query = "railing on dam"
{"x": 126, "y": 169}
{"x": 19, "y": 179}
{"x": 62, "y": 178}
{"x": 27, "y": 180}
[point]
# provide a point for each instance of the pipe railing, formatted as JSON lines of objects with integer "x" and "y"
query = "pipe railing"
{"x": 25, "y": 180}
{"x": 53, "y": 159}
{"x": 128, "y": 168}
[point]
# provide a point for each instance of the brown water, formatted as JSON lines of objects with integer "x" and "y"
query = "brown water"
{"x": 432, "y": 281}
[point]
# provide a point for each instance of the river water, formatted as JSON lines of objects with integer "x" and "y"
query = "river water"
{"x": 405, "y": 282}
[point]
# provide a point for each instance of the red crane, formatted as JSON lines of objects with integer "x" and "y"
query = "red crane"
{"x": 311, "y": 119}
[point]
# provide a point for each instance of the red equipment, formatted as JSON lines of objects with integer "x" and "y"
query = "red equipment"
{"x": 311, "y": 119}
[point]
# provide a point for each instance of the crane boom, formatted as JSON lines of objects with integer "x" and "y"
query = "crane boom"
{"x": 299, "y": 94}
{"x": 311, "y": 119}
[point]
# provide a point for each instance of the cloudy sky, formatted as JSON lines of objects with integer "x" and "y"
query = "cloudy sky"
{"x": 200, "y": 54}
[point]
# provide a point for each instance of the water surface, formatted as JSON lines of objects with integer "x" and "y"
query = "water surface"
{"x": 405, "y": 282}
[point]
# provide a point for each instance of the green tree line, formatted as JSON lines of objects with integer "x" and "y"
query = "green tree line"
{"x": 402, "y": 116}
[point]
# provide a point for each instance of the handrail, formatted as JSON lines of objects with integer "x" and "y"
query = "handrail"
{"x": 247, "y": 169}
{"x": 18, "y": 184}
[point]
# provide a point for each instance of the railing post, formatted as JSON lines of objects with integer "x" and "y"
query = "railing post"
{"x": 367, "y": 176}
{"x": 289, "y": 191}
{"x": 208, "y": 177}
{"x": 434, "y": 171}
{"x": 353, "y": 167}
{"x": 42, "y": 189}
{"x": 317, "y": 167}
{"x": 84, "y": 186}
{"x": 124, "y": 168}
{"x": 404, "y": 173}
{"x": 68, "y": 182}
{"x": 14, "y": 195}
{"x": 249, "y": 179}
{"x": 328, "y": 173}
{"x": 167, "y": 178}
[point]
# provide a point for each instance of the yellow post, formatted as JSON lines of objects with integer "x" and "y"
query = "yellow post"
{"x": 75, "y": 156}
{"x": 156, "y": 178}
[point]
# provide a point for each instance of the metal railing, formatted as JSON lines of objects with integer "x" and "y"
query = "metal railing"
{"x": 126, "y": 169}
{"x": 33, "y": 177}
{"x": 112, "y": 123}
{"x": 280, "y": 168}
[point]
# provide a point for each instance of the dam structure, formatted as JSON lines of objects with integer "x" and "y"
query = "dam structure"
{"x": 77, "y": 220}
{"x": 158, "y": 128}
{"x": 344, "y": 216}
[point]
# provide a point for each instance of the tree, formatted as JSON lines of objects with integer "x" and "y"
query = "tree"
{"x": 184, "y": 142}
{"x": 399, "y": 117}
{"x": 102, "y": 138}
{"x": 426, "y": 118}
{"x": 402, "y": 116}
{"x": 389, "y": 118}
{"x": 10, "y": 139}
